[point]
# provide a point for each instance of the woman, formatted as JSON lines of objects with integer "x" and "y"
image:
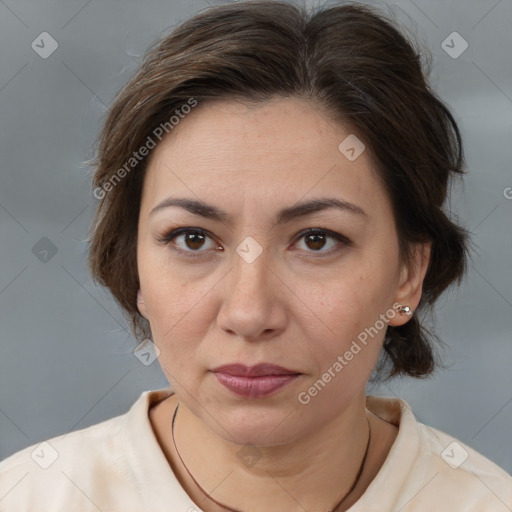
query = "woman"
{"x": 271, "y": 189}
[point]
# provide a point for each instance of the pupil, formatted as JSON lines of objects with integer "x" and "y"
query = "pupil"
{"x": 315, "y": 239}
{"x": 190, "y": 239}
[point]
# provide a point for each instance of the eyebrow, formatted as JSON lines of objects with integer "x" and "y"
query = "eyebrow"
{"x": 287, "y": 214}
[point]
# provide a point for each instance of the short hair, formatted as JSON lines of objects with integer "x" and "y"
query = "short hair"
{"x": 351, "y": 61}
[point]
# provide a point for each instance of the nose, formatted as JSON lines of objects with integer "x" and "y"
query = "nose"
{"x": 253, "y": 301}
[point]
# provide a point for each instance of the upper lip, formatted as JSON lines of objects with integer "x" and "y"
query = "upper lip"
{"x": 240, "y": 370}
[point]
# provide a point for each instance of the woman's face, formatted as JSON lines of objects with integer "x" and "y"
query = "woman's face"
{"x": 256, "y": 287}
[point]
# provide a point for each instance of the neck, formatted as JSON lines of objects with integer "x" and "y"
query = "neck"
{"x": 312, "y": 472}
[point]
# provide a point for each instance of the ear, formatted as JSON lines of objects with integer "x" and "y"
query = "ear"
{"x": 141, "y": 305}
{"x": 410, "y": 284}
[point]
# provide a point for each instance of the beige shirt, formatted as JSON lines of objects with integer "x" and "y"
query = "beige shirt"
{"x": 118, "y": 465}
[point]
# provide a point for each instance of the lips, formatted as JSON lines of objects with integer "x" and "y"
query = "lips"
{"x": 257, "y": 381}
{"x": 259, "y": 370}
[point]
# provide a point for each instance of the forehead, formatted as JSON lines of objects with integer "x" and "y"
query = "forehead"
{"x": 282, "y": 150}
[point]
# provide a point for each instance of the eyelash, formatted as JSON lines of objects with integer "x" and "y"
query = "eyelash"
{"x": 344, "y": 241}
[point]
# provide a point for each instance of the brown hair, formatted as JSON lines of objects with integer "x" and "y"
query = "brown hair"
{"x": 349, "y": 59}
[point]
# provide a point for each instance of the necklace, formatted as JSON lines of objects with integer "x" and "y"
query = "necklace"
{"x": 356, "y": 479}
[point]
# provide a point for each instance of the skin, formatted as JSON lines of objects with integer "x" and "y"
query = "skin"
{"x": 299, "y": 304}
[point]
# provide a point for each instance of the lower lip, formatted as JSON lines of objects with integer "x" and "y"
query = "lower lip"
{"x": 255, "y": 387}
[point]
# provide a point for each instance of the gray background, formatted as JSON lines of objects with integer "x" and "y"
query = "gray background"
{"x": 67, "y": 357}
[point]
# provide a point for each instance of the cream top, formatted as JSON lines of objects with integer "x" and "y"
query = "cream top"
{"x": 118, "y": 465}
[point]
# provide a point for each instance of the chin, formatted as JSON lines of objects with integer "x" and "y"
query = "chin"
{"x": 256, "y": 426}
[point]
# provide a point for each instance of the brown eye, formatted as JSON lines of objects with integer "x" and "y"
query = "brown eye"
{"x": 194, "y": 240}
{"x": 315, "y": 240}
{"x": 190, "y": 241}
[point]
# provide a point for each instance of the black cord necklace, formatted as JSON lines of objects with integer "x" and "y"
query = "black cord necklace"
{"x": 356, "y": 480}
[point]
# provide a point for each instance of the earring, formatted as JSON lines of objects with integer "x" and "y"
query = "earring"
{"x": 405, "y": 310}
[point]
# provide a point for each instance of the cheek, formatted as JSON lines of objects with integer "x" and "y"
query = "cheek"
{"x": 177, "y": 313}
{"x": 174, "y": 305}
{"x": 344, "y": 355}
{"x": 347, "y": 310}
{"x": 350, "y": 297}
{"x": 179, "y": 323}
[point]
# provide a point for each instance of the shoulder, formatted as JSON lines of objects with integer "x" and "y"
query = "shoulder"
{"x": 428, "y": 469}
{"x": 64, "y": 472}
{"x": 461, "y": 474}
